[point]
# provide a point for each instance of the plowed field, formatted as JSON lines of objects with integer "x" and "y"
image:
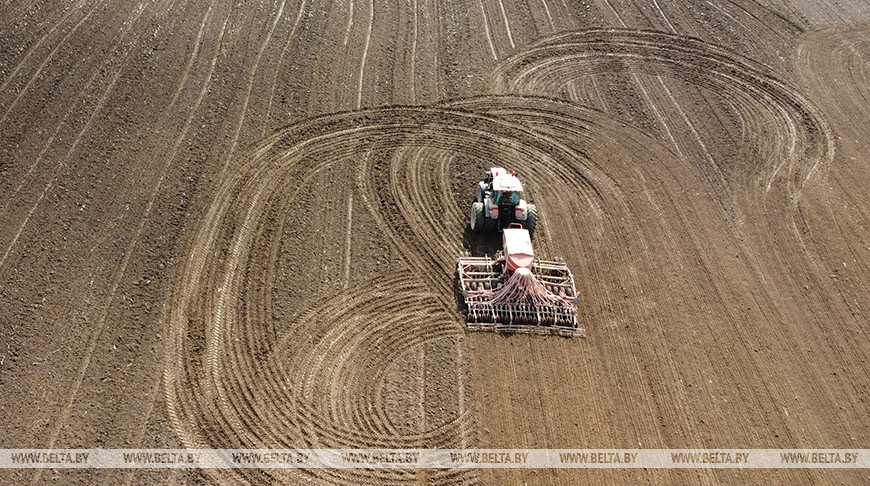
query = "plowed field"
{"x": 234, "y": 224}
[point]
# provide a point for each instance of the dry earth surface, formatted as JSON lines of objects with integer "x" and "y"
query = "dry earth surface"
{"x": 233, "y": 224}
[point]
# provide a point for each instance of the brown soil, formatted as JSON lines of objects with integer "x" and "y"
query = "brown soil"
{"x": 234, "y": 225}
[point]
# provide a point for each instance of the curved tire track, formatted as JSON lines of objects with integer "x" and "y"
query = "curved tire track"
{"x": 235, "y": 379}
{"x": 799, "y": 142}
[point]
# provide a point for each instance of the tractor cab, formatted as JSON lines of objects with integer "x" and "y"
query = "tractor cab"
{"x": 505, "y": 187}
{"x": 506, "y": 198}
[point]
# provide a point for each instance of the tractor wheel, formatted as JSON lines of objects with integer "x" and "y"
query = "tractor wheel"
{"x": 531, "y": 219}
{"x": 477, "y": 217}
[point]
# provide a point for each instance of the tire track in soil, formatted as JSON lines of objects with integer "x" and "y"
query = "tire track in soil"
{"x": 801, "y": 141}
{"x": 170, "y": 158}
{"x": 487, "y": 32}
{"x": 328, "y": 390}
{"x": 228, "y": 396}
{"x": 159, "y": 147}
{"x": 33, "y": 48}
{"x": 365, "y": 53}
{"x": 507, "y": 24}
{"x": 835, "y": 66}
{"x": 589, "y": 134}
{"x": 100, "y": 102}
{"x": 624, "y": 210}
{"x": 250, "y": 86}
{"x": 46, "y": 61}
{"x": 280, "y": 64}
{"x": 786, "y": 153}
{"x": 65, "y": 412}
{"x": 797, "y": 144}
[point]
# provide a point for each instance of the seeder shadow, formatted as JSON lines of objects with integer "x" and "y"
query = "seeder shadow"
{"x": 477, "y": 244}
{"x": 481, "y": 244}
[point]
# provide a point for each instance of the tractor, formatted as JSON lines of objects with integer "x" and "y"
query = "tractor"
{"x": 499, "y": 203}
